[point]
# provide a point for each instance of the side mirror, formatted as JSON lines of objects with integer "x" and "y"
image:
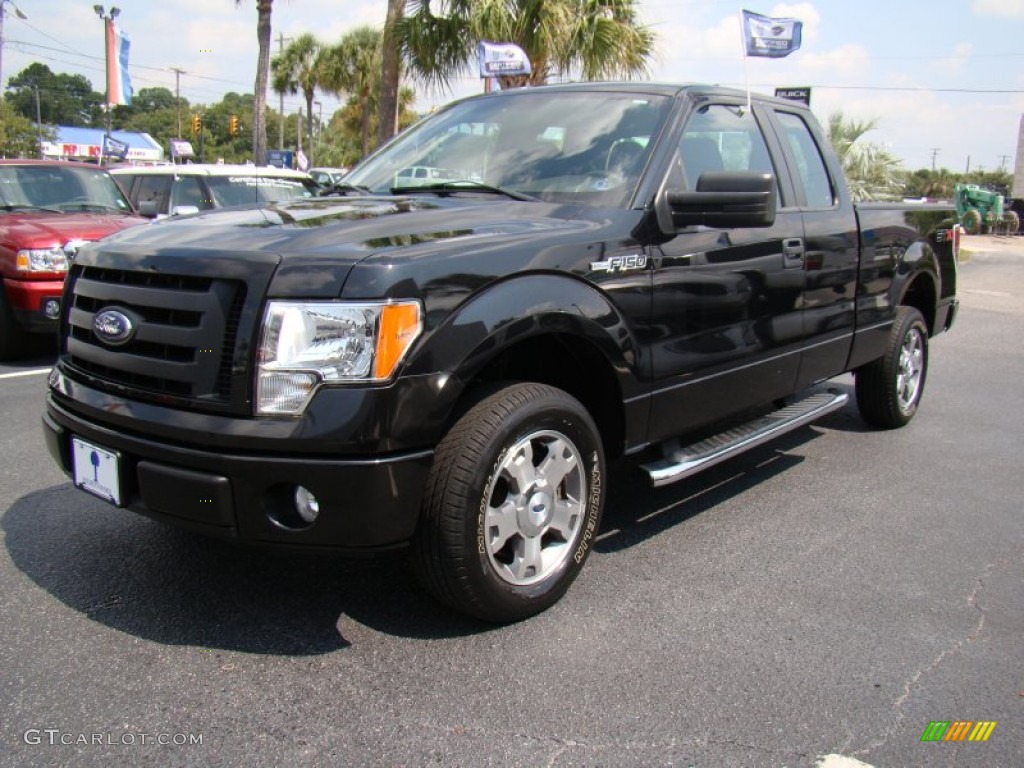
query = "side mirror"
{"x": 725, "y": 199}
{"x": 148, "y": 208}
{"x": 184, "y": 210}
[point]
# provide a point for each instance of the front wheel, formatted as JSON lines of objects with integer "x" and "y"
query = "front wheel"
{"x": 513, "y": 504}
{"x": 890, "y": 388}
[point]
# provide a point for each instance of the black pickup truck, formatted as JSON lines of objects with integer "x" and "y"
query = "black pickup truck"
{"x": 447, "y": 351}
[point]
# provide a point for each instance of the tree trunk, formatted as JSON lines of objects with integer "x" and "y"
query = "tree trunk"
{"x": 390, "y": 73}
{"x": 309, "y": 126}
{"x": 364, "y": 119}
{"x": 259, "y": 104}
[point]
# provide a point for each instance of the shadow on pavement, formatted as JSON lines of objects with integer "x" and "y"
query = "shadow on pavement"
{"x": 176, "y": 588}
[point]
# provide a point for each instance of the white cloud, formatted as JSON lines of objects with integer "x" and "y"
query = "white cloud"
{"x": 1005, "y": 9}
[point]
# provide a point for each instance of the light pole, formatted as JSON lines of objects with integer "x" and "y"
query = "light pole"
{"x": 108, "y": 20}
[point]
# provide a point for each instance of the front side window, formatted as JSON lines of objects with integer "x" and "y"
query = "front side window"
{"x": 720, "y": 137}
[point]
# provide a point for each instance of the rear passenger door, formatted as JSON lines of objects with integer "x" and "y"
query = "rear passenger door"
{"x": 727, "y": 302}
{"x": 830, "y": 245}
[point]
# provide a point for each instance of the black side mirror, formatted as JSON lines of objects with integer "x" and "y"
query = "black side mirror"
{"x": 725, "y": 199}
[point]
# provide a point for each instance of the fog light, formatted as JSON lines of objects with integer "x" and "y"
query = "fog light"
{"x": 51, "y": 308}
{"x": 306, "y": 505}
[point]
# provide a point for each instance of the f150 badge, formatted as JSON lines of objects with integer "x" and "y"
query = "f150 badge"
{"x": 620, "y": 263}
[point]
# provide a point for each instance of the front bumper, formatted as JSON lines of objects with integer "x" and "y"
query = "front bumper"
{"x": 28, "y": 300}
{"x": 364, "y": 502}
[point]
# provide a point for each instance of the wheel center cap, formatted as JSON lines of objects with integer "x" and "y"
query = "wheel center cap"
{"x": 539, "y": 509}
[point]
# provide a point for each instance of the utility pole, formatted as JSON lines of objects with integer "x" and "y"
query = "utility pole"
{"x": 3, "y": 11}
{"x": 280, "y": 135}
{"x": 935, "y": 152}
{"x": 177, "y": 95}
{"x": 1002, "y": 162}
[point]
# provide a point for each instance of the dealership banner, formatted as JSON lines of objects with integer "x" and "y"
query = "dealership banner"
{"x": 769, "y": 37}
{"x": 498, "y": 59}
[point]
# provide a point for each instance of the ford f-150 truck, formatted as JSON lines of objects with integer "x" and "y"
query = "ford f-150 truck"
{"x": 596, "y": 271}
{"x": 48, "y": 209}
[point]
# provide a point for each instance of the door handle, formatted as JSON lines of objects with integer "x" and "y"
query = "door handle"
{"x": 793, "y": 252}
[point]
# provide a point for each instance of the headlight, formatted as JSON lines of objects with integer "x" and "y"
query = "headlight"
{"x": 42, "y": 260}
{"x": 305, "y": 344}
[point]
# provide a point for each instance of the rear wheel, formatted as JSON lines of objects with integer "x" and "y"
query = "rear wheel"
{"x": 890, "y": 388}
{"x": 1011, "y": 222}
{"x": 513, "y": 504}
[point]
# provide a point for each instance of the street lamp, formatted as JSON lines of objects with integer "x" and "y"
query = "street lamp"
{"x": 108, "y": 19}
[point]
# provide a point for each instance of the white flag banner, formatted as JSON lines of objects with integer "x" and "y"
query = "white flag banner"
{"x": 497, "y": 59}
{"x": 771, "y": 38}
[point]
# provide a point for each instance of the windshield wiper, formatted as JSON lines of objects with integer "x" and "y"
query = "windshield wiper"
{"x": 22, "y": 207}
{"x": 465, "y": 185}
{"x": 345, "y": 189}
{"x": 90, "y": 207}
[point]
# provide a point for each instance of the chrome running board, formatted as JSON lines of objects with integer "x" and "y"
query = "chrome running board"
{"x": 683, "y": 461}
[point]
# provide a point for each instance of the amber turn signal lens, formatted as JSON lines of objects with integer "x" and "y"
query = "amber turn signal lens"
{"x": 400, "y": 324}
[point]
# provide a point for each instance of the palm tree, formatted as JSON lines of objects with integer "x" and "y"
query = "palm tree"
{"x": 259, "y": 112}
{"x": 300, "y": 67}
{"x": 872, "y": 172}
{"x": 588, "y": 39}
{"x": 353, "y": 66}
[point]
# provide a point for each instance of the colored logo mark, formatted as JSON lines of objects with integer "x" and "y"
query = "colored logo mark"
{"x": 958, "y": 730}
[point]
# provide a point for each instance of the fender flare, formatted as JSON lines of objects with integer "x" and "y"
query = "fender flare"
{"x": 521, "y": 307}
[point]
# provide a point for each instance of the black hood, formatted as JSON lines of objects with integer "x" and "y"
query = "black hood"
{"x": 316, "y": 242}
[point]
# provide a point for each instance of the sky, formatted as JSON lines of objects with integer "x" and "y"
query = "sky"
{"x": 942, "y": 79}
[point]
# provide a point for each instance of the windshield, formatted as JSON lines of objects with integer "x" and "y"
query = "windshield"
{"x": 588, "y": 147}
{"x": 59, "y": 188}
{"x": 245, "y": 190}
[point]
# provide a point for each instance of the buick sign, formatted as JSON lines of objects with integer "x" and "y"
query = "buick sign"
{"x": 113, "y": 326}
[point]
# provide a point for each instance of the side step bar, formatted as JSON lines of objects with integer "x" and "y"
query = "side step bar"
{"x": 683, "y": 461}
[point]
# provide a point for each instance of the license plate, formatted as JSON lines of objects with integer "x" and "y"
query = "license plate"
{"x": 96, "y": 470}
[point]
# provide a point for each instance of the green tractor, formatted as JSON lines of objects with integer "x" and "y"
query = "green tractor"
{"x": 981, "y": 211}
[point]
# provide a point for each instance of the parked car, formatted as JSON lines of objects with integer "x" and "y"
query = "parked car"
{"x": 48, "y": 209}
{"x": 327, "y": 177}
{"x": 165, "y": 190}
{"x": 653, "y": 273}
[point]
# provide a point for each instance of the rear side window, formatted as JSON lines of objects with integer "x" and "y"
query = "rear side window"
{"x": 810, "y": 165}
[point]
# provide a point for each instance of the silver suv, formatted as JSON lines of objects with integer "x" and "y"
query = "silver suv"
{"x": 167, "y": 190}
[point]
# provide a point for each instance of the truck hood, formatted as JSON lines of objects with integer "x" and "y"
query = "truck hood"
{"x": 316, "y": 242}
{"x": 46, "y": 230}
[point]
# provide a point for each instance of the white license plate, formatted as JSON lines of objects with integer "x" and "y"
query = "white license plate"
{"x": 96, "y": 470}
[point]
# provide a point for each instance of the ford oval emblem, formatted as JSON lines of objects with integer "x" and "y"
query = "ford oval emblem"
{"x": 113, "y": 326}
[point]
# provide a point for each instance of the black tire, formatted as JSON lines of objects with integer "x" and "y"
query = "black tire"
{"x": 12, "y": 336}
{"x": 972, "y": 221}
{"x": 512, "y": 504}
{"x": 889, "y": 389}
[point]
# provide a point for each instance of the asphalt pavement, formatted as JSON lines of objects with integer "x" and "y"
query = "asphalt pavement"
{"x": 820, "y": 600}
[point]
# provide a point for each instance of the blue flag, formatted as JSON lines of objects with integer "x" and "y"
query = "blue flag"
{"x": 771, "y": 38}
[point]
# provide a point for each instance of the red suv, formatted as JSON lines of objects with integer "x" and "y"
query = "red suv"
{"x": 48, "y": 209}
